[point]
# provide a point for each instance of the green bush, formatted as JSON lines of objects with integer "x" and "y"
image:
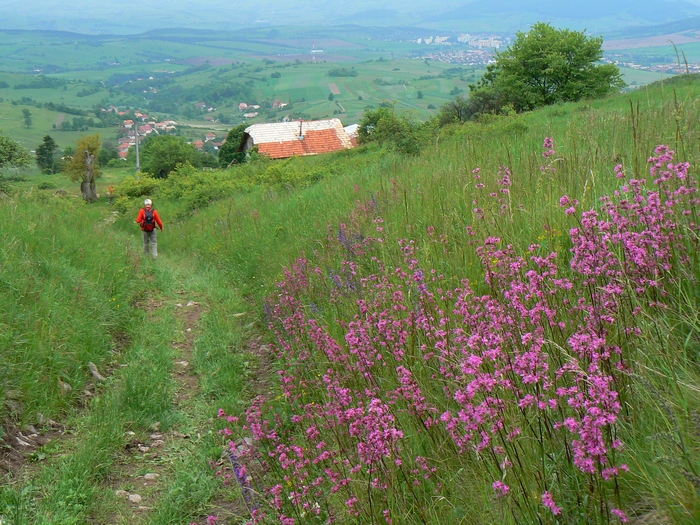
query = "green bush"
{"x": 400, "y": 133}
{"x": 133, "y": 187}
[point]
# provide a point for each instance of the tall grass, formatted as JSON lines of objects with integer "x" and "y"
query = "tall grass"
{"x": 67, "y": 285}
{"x": 388, "y": 268}
{"x": 369, "y": 320}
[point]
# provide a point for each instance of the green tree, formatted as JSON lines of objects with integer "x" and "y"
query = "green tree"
{"x": 27, "y": 117}
{"x": 162, "y": 154}
{"x": 12, "y": 155}
{"x": 84, "y": 166}
{"x": 228, "y": 152}
{"x": 419, "y": 94}
{"x": 403, "y": 134}
{"x": 547, "y": 65}
{"x": 108, "y": 152}
{"x": 461, "y": 109}
{"x": 331, "y": 97}
{"x": 46, "y": 155}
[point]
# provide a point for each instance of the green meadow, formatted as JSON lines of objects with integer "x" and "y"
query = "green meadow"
{"x": 79, "y": 291}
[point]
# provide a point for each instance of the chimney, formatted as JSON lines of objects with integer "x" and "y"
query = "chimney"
{"x": 301, "y": 129}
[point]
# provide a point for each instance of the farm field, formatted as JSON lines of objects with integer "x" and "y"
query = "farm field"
{"x": 636, "y": 77}
{"x": 166, "y": 73}
{"x": 169, "y": 84}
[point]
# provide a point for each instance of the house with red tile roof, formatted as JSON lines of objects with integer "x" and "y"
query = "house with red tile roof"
{"x": 210, "y": 136}
{"x": 282, "y": 140}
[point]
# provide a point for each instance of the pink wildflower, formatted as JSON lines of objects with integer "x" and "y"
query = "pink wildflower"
{"x": 501, "y": 488}
{"x": 548, "y": 501}
{"x": 621, "y": 515}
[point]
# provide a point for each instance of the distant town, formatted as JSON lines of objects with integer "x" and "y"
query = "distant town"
{"x": 465, "y": 48}
{"x": 632, "y": 62}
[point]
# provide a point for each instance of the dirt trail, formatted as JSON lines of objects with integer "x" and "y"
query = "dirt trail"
{"x": 144, "y": 467}
{"x": 142, "y": 474}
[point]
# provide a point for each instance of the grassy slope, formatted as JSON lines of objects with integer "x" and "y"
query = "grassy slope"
{"x": 242, "y": 243}
{"x": 76, "y": 291}
{"x": 252, "y": 237}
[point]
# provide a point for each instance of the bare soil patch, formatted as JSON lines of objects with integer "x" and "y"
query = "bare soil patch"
{"x": 188, "y": 385}
{"x": 652, "y": 41}
{"x": 17, "y": 446}
{"x": 334, "y": 88}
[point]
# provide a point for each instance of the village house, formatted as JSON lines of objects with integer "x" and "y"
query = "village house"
{"x": 353, "y": 132}
{"x": 209, "y": 136}
{"x": 242, "y": 106}
{"x": 282, "y": 140}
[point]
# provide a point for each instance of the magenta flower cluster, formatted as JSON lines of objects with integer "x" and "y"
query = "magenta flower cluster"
{"x": 398, "y": 383}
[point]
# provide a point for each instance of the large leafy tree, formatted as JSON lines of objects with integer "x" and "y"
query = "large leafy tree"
{"x": 547, "y": 65}
{"x": 84, "y": 166}
{"x": 161, "y": 155}
{"x": 46, "y": 155}
{"x": 228, "y": 152}
{"x": 12, "y": 155}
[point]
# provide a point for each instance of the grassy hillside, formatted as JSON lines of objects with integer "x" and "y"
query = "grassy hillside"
{"x": 502, "y": 329}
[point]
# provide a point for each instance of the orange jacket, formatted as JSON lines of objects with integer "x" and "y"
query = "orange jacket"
{"x": 142, "y": 217}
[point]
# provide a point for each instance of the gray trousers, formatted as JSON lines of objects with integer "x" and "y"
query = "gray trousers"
{"x": 150, "y": 238}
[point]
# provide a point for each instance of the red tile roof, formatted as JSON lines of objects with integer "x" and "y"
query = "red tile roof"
{"x": 282, "y": 140}
{"x": 313, "y": 143}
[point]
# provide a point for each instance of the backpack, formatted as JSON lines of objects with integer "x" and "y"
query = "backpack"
{"x": 149, "y": 221}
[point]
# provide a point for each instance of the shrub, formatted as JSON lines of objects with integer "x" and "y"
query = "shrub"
{"x": 133, "y": 187}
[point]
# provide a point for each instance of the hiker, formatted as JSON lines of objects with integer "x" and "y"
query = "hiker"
{"x": 148, "y": 219}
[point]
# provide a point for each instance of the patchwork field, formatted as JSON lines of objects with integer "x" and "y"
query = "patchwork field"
{"x": 167, "y": 73}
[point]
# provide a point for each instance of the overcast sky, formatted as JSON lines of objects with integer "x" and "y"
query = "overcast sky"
{"x": 130, "y": 16}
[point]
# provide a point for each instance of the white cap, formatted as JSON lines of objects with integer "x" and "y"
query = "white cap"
{"x": 147, "y": 202}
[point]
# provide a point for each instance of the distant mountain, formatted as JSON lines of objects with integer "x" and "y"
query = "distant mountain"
{"x": 117, "y": 16}
{"x": 596, "y": 15}
{"x": 651, "y": 11}
{"x": 668, "y": 28}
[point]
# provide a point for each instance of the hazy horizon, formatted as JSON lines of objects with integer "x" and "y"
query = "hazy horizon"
{"x": 112, "y": 16}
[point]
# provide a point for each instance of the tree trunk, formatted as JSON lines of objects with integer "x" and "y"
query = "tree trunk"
{"x": 88, "y": 185}
{"x": 88, "y": 190}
